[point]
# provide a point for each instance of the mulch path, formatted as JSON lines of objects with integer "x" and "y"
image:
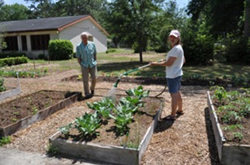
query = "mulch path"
{"x": 187, "y": 140}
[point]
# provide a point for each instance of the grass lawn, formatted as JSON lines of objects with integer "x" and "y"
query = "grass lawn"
{"x": 122, "y": 60}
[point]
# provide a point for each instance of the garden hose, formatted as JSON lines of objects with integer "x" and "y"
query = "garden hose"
{"x": 162, "y": 91}
{"x": 126, "y": 73}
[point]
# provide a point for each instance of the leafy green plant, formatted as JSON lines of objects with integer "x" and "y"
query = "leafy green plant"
{"x": 5, "y": 140}
{"x": 52, "y": 150}
{"x": 132, "y": 101}
{"x": 2, "y": 87}
{"x": 233, "y": 108}
{"x": 233, "y": 127}
{"x": 219, "y": 92}
{"x": 65, "y": 129}
{"x": 121, "y": 121}
{"x": 238, "y": 135}
{"x": 103, "y": 107}
{"x": 79, "y": 77}
{"x": 87, "y": 124}
{"x": 138, "y": 92}
{"x": 34, "y": 110}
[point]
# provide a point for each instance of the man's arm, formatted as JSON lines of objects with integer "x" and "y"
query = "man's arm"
{"x": 95, "y": 57}
{"x": 78, "y": 55}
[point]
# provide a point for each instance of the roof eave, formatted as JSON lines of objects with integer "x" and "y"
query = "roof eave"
{"x": 33, "y": 30}
{"x": 81, "y": 19}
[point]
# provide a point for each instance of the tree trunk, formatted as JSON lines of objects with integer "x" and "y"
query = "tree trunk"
{"x": 247, "y": 19}
{"x": 140, "y": 51}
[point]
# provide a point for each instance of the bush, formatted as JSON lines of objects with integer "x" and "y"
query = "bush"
{"x": 111, "y": 50}
{"x": 198, "y": 49}
{"x": 12, "y": 54}
{"x": 60, "y": 49}
{"x": 2, "y": 88}
{"x": 220, "y": 52}
{"x": 41, "y": 57}
{"x": 238, "y": 51}
{"x": 13, "y": 61}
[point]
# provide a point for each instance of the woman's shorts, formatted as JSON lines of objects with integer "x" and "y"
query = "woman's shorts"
{"x": 174, "y": 84}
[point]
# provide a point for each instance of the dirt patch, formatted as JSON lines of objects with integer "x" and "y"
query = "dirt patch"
{"x": 13, "y": 111}
{"x": 137, "y": 128}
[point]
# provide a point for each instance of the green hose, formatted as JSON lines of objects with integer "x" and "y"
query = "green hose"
{"x": 126, "y": 73}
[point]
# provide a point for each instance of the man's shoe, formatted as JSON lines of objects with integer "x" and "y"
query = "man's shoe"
{"x": 88, "y": 96}
{"x": 92, "y": 92}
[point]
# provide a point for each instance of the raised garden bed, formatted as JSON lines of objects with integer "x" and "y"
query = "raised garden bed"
{"x": 108, "y": 146}
{"x": 232, "y": 137}
{"x": 21, "y": 112}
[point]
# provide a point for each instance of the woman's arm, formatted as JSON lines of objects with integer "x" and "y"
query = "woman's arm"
{"x": 169, "y": 62}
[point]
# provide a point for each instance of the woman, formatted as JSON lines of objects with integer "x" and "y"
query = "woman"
{"x": 174, "y": 62}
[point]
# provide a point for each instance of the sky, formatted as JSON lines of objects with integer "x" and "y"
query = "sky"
{"x": 180, "y": 3}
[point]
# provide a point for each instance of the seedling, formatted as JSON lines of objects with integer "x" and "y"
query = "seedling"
{"x": 5, "y": 140}
{"x": 233, "y": 107}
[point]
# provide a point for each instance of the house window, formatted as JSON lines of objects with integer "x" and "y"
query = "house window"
{"x": 24, "y": 42}
{"x": 11, "y": 43}
{"x": 39, "y": 42}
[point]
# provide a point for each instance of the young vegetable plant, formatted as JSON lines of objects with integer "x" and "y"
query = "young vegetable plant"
{"x": 138, "y": 92}
{"x": 103, "y": 107}
{"x": 65, "y": 129}
{"x": 122, "y": 120}
{"x": 87, "y": 125}
{"x": 132, "y": 101}
{"x": 219, "y": 92}
{"x": 233, "y": 109}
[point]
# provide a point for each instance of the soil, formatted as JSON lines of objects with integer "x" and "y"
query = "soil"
{"x": 25, "y": 106}
{"x": 108, "y": 134}
{"x": 187, "y": 140}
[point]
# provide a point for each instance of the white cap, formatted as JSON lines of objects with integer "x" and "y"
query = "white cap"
{"x": 175, "y": 33}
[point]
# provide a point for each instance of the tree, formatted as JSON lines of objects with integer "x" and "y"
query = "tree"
{"x": 41, "y": 8}
{"x": 2, "y": 43}
{"x": 247, "y": 19}
{"x": 132, "y": 21}
{"x": 220, "y": 16}
{"x": 13, "y": 12}
{"x": 79, "y": 7}
{"x": 1, "y": 3}
{"x": 170, "y": 17}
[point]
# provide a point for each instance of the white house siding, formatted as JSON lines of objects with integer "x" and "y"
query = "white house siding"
{"x": 73, "y": 34}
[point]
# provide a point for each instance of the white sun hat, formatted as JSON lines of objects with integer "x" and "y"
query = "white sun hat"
{"x": 175, "y": 33}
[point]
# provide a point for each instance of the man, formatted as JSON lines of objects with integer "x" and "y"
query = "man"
{"x": 86, "y": 56}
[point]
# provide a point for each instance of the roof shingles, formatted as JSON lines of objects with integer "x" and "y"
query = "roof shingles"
{"x": 53, "y": 23}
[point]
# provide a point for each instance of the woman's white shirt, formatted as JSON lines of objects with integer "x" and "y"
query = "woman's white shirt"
{"x": 175, "y": 70}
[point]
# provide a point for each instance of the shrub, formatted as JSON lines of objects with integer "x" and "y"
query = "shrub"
{"x": 2, "y": 88}
{"x": 12, "y": 54}
{"x": 13, "y": 61}
{"x": 238, "y": 51}
{"x": 111, "y": 50}
{"x": 198, "y": 49}
{"x": 41, "y": 57}
{"x": 60, "y": 49}
{"x": 220, "y": 52}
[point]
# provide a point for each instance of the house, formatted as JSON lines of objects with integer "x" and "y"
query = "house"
{"x": 32, "y": 36}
